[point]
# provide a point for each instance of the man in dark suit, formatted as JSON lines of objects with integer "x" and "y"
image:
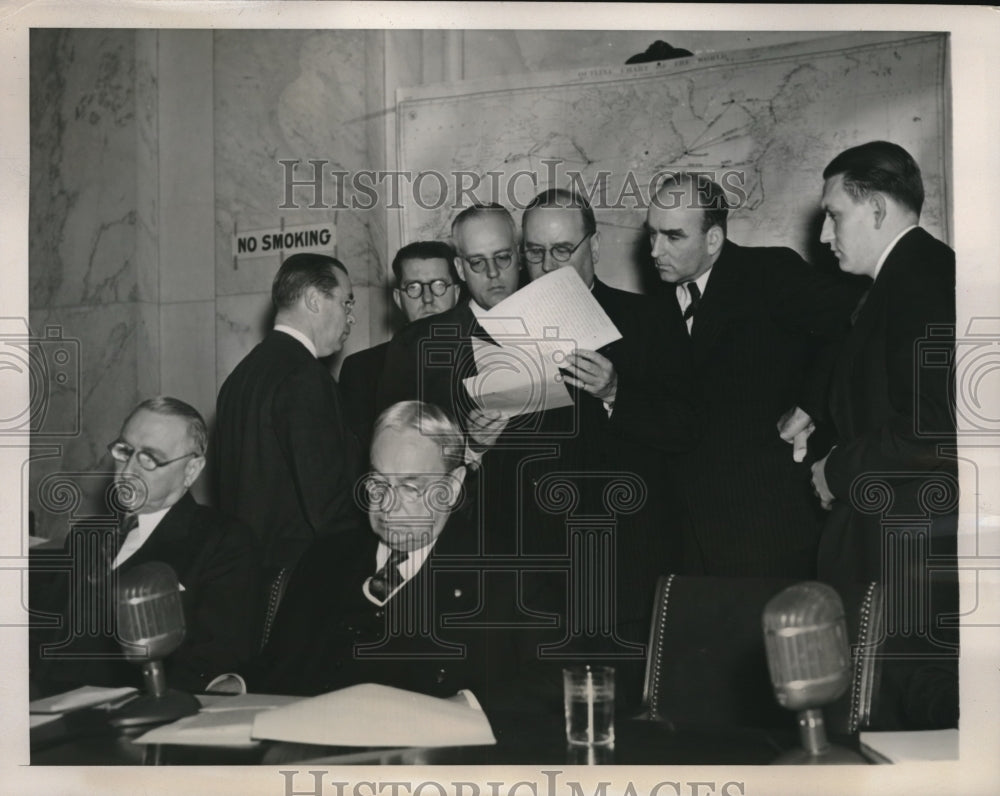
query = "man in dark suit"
{"x": 426, "y": 285}
{"x": 158, "y": 456}
{"x": 285, "y": 457}
{"x": 890, "y": 481}
{"x": 404, "y": 605}
{"x": 635, "y": 399}
{"x": 757, "y": 320}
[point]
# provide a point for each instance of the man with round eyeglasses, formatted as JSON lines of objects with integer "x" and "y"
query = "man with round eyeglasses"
{"x": 426, "y": 285}
{"x": 158, "y": 455}
{"x": 391, "y": 606}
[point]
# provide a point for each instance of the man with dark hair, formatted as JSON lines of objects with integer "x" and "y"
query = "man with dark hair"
{"x": 758, "y": 320}
{"x": 158, "y": 455}
{"x": 285, "y": 457}
{"x": 426, "y": 285}
{"x": 892, "y": 406}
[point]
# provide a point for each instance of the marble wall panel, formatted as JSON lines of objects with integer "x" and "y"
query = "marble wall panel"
{"x": 83, "y": 174}
{"x": 106, "y": 342}
{"x": 287, "y": 95}
{"x": 187, "y": 184}
{"x": 240, "y": 323}
{"x": 147, "y": 204}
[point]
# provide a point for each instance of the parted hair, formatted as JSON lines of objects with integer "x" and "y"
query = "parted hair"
{"x": 165, "y": 405}
{"x": 707, "y": 194}
{"x": 882, "y": 167}
{"x": 431, "y": 422}
{"x": 425, "y": 250}
{"x": 300, "y": 272}
{"x": 560, "y": 198}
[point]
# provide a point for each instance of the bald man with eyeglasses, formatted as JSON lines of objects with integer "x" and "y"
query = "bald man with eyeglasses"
{"x": 426, "y": 285}
{"x": 157, "y": 457}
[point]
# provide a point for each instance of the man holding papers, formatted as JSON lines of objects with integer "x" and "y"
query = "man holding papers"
{"x": 634, "y": 397}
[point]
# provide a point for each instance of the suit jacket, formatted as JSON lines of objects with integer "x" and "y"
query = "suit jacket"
{"x": 218, "y": 564}
{"x": 285, "y": 458}
{"x": 655, "y": 411}
{"x": 892, "y": 477}
{"x": 759, "y": 339}
{"x": 892, "y": 406}
{"x": 359, "y": 377}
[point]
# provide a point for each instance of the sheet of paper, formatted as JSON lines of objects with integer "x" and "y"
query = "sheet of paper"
{"x": 83, "y": 697}
{"x": 899, "y": 747}
{"x": 38, "y": 719}
{"x": 376, "y": 715}
{"x": 222, "y": 721}
{"x": 557, "y": 310}
{"x": 516, "y": 379}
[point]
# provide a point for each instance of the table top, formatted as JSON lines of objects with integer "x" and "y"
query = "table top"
{"x": 85, "y": 738}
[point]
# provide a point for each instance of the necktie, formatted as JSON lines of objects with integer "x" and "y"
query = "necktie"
{"x": 387, "y": 580}
{"x": 857, "y": 308}
{"x": 695, "y": 294}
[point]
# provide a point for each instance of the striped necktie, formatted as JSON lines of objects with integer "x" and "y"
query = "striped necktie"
{"x": 388, "y": 578}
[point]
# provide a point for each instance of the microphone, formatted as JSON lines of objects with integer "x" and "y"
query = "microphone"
{"x": 150, "y": 627}
{"x": 805, "y": 636}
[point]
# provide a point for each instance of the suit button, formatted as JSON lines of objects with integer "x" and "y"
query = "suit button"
{"x": 441, "y": 675}
{"x": 379, "y": 613}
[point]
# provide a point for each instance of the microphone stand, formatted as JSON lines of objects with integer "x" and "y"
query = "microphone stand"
{"x": 160, "y": 704}
{"x": 816, "y": 749}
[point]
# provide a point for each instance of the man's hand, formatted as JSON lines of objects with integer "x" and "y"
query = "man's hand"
{"x": 822, "y": 491}
{"x": 485, "y": 426}
{"x": 795, "y": 426}
{"x": 592, "y": 372}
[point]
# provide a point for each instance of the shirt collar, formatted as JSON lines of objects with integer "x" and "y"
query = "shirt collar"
{"x": 701, "y": 281}
{"x": 292, "y": 332}
{"x": 889, "y": 248}
{"x": 478, "y": 311}
{"x": 139, "y": 535}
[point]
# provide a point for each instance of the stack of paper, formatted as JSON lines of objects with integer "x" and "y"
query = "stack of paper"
{"x": 899, "y": 747}
{"x": 535, "y": 329}
{"x": 377, "y": 715}
{"x": 222, "y": 721}
{"x": 83, "y": 697}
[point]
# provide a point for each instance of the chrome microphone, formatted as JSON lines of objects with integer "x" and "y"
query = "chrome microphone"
{"x": 808, "y": 656}
{"x": 150, "y": 627}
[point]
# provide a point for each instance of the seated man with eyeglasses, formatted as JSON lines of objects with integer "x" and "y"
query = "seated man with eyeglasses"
{"x": 406, "y": 605}
{"x": 426, "y": 285}
{"x": 158, "y": 455}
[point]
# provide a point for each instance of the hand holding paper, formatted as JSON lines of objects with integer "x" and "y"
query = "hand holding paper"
{"x": 593, "y": 373}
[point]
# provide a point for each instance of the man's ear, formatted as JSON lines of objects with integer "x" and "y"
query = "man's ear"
{"x": 459, "y": 269}
{"x": 877, "y": 204}
{"x": 715, "y": 237}
{"x": 397, "y": 297}
{"x": 193, "y": 469}
{"x": 595, "y": 247}
{"x": 311, "y": 298}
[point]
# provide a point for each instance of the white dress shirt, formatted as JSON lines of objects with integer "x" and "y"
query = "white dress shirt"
{"x": 138, "y": 536}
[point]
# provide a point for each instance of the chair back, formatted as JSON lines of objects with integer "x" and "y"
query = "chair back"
{"x": 706, "y": 662}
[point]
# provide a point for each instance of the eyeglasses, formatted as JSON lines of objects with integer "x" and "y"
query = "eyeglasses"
{"x": 438, "y": 287}
{"x": 501, "y": 260}
{"x": 438, "y": 494}
{"x": 121, "y": 451}
{"x": 561, "y": 252}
